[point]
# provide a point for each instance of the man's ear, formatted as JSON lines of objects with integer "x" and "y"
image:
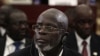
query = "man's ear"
{"x": 64, "y": 38}
{"x": 64, "y": 35}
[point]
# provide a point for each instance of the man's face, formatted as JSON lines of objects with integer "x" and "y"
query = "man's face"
{"x": 47, "y": 35}
{"x": 18, "y": 24}
{"x": 84, "y": 24}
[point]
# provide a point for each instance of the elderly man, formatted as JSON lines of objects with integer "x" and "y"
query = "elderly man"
{"x": 50, "y": 27}
{"x": 83, "y": 38}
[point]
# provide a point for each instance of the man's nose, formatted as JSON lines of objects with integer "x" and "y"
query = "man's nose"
{"x": 42, "y": 31}
{"x": 87, "y": 25}
{"x": 23, "y": 26}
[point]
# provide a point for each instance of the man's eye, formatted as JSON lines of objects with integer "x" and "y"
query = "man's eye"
{"x": 49, "y": 27}
{"x": 37, "y": 26}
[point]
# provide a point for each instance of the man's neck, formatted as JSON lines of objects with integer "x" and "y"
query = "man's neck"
{"x": 16, "y": 38}
{"x": 54, "y": 52}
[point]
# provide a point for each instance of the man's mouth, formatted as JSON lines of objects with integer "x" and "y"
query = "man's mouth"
{"x": 23, "y": 32}
{"x": 41, "y": 42}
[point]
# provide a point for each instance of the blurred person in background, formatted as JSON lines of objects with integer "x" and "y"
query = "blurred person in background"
{"x": 4, "y": 10}
{"x": 83, "y": 39}
{"x": 17, "y": 36}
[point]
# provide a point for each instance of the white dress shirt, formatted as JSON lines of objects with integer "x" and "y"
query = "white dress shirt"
{"x": 41, "y": 54}
{"x": 10, "y": 48}
{"x": 79, "y": 43}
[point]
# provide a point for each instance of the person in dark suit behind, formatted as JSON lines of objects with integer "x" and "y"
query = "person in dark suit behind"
{"x": 83, "y": 39}
{"x": 51, "y": 25}
{"x": 4, "y": 10}
{"x": 17, "y": 33}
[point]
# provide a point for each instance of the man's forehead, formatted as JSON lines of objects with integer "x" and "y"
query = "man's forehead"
{"x": 84, "y": 10}
{"x": 18, "y": 16}
{"x": 47, "y": 17}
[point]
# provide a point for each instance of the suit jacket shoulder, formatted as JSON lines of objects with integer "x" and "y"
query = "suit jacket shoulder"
{"x": 71, "y": 42}
{"x": 70, "y": 52}
{"x": 28, "y": 41}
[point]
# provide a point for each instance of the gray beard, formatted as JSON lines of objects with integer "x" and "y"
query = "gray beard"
{"x": 46, "y": 48}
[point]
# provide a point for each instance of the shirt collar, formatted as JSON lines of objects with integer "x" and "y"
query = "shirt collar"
{"x": 3, "y": 30}
{"x": 61, "y": 53}
{"x": 80, "y": 40}
{"x": 41, "y": 54}
{"x": 11, "y": 41}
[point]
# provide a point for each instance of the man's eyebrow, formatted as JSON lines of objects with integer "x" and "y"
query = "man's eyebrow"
{"x": 39, "y": 23}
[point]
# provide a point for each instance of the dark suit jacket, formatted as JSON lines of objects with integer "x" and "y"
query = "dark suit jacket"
{"x": 3, "y": 42}
{"x": 32, "y": 51}
{"x": 94, "y": 43}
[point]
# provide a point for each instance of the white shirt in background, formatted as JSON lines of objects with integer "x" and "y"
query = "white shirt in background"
{"x": 2, "y": 30}
{"x": 41, "y": 54}
{"x": 10, "y": 48}
{"x": 79, "y": 43}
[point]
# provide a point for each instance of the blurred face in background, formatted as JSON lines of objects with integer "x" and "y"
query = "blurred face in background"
{"x": 84, "y": 21}
{"x": 4, "y": 10}
{"x": 2, "y": 19}
{"x": 18, "y": 26}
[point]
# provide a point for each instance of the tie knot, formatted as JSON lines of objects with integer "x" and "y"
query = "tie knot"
{"x": 84, "y": 43}
{"x": 18, "y": 43}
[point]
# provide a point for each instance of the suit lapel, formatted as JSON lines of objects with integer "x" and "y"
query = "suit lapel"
{"x": 33, "y": 50}
{"x": 72, "y": 42}
{"x": 95, "y": 46}
{"x": 2, "y": 44}
{"x": 27, "y": 42}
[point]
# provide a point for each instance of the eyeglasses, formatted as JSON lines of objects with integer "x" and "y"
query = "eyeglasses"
{"x": 47, "y": 28}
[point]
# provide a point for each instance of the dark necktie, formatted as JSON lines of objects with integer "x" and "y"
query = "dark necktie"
{"x": 17, "y": 45}
{"x": 84, "y": 51}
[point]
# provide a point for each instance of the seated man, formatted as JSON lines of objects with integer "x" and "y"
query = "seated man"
{"x": 50, "y": 27}
{"x": 4, "y": 10}
{"x": 17, "y": 33}
{"x": 83, "y": 39}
